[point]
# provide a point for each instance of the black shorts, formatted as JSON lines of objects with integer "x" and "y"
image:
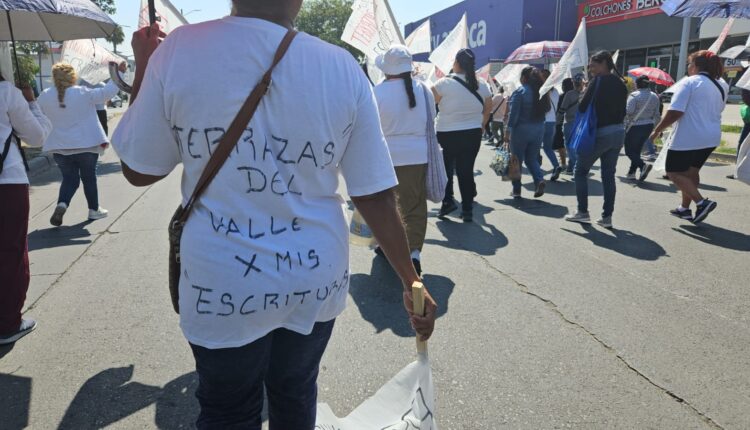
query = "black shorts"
{"x": 682, "y": 161}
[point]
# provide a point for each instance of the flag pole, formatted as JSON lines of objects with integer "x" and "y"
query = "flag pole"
{"x": 393, "y": 18}
{"x": 151, "y": 12}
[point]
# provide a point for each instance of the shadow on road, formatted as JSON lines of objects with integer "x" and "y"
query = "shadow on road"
{"x": 110, "y": 396}
{"x": 623, "y": 242}
{"x": 379, "y": 297}
{"x": 565, "y": 187}
{"x": 60, "y": 236}
{"x": 716, "y": 236}
{"x": 478, "y": 236}
{"x": 15, "y": 398}
{"x": 53, "y": 175}
{"x": 536, "y": 207}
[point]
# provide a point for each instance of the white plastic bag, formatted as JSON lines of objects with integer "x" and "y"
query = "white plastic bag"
{"x": 743, "y": 163}
{"x": 660, "y": 165}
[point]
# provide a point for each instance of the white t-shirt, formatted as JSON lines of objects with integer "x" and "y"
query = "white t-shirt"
{"x": 30, "y": 124}
{"x": 554, "y": 98}
{"x": 266, "y": 246}
{"x": 405, "y": 128}
{"x": 459, "y": 108}
{"x": 700, "y": 101}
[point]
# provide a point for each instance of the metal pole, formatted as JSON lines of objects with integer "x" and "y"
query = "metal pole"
{"x": 13, "y": 41}
{"x": 393, "y": 18}
{"x": 684, "y": 41}
{"x": 151, "y": 12}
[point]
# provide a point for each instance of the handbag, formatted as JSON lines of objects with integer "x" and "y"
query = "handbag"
{"x": 501, "y": 162}
{"x": 225, "y": 147}
{"x": 660, "y": 165}
{"x": 583, "y": 137}
{"x": 514, "y": 169}
{"x": 437, "y": 178}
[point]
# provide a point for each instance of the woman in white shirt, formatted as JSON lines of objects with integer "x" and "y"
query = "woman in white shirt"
{"x": 696, "y": 110}
{"x": 19, "y": 113}
{"x": 77, "y": 139}
{"x": 465, "y": 104}
{"x": 404, "y": 116}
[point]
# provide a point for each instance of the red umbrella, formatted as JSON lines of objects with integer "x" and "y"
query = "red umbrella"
{"x": 538, "y": 52}
{"x": 654, "y": 75}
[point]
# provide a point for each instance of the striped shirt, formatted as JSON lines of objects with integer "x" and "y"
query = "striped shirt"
{"x": 643, "y": 108}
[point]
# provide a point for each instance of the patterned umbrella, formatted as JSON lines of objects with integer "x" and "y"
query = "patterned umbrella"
{"x": 655, "y": 75}
{"x": 707, "y": 8}
{"x": 538, "y": 52}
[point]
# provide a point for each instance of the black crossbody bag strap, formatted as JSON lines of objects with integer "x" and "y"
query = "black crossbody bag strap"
{"x": 721, "y": 90}
{"x": 465, "y": 85}
{"x": 6, "y": 149}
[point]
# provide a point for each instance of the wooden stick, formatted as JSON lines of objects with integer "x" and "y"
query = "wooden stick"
{"x": 417, "y": 291}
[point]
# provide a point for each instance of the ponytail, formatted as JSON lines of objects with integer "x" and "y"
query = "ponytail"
{"x": 467, "y": 60}
{"x": 708, "y": 62}
{"x": 606, "y": 58}
{"x": 409, "y": 84}
{"x": 64, "y": 76}
{"x": 471, "y": 79}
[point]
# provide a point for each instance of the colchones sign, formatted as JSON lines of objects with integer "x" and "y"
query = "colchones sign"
{"x": 598, "y": 12}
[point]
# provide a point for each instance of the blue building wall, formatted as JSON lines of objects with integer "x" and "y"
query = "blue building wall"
{"x": 496, "y": 26}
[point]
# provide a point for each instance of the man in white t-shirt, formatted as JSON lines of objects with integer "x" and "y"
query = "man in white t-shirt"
{"x": 264, "y": 254}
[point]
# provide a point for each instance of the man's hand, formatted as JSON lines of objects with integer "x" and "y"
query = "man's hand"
{"x": 123, "y": 67}
{"x": 423, "y": 325}
{"x": 28, "y": 93}
{"x": 144, "y": 43}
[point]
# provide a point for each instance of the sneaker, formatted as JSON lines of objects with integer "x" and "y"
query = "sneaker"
{"x": 57, "y": 216}
{"x": 630, "y": 177}
{"x": 605, "y": 222}
{"x": 579, "y": 217}
{"x": 27, "y": 326}
{"x": 701, "y": 213}
{"x": 569, "y": 172}
{"x": 98, "y": 214}
{"x": 645, "y": 171}
{"x": 685, "y": 214}
{"x": 556, "y": 174}
{"x": 447, "y": 208}
{"x": 515, "y": 195}
{"x": 467, "y": 217}
{"x": 540, "y": 189}
{"x": 417, "y": 266}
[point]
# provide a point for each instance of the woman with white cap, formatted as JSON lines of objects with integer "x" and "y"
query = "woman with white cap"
{"x": 404, "y": 116}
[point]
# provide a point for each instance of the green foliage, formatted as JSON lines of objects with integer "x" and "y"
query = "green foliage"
{"x": 32, "y": 48}
{"x": 731, "y": 129}
{"x": 29, "y": 69}
{"x": 326, "y": 20}
{"x": 108, "y": 6}
{"x": 117, "y": 37}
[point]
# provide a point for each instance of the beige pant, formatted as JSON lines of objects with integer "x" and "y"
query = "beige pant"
{"x": 412, "y": 202}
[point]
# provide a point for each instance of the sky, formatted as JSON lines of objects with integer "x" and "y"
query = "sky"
{"x": 406, "y": 11}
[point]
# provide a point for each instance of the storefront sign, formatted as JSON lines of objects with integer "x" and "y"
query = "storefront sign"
{"x": 598, "y": 12}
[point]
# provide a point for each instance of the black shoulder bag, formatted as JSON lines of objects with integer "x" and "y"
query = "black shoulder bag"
{"x": 465, "y": 85}
{"x": 721, "y": 90}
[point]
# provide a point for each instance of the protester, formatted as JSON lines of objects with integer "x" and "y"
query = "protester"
{"x": 264, "y": 255}
{"x": 696, "y": 111}
{"x": 20, "y": 115}
{"x": 550, "y": 120}
{"x": 568, "y": 109}
{"x": 526, "y": 127}
{"x": 77, "y": 139}
{"x": 745, "y": 114}
{"x": 642, "y": 114}
{"x": 609, "y": 95}
{"x": 101, "y": 108}
{"x": 559, "y": 145}
{"x": 465, "y": 104}
{"x": 497, "y": 117}
{"x": 404, "y": 116}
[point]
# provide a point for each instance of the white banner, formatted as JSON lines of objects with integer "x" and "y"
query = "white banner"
{"x": 406, "y": 402}
{"x": 716, "y": 46}
{"x": 420, "y": 40}
{"x": 576, "y": 56}
{"x": 168, "y": 15}
{"x": 510, "y": 77}
{"x": 90, "y": 59}
{"x": 371, "y": 28}
{"x": 445, "y": 55}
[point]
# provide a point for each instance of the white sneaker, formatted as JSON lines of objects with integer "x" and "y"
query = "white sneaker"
{"x": 27, "y": 326}
{"x": 98, "y": 214}
{"x": 57, "y": 216}
{"x": 605, "y": 222}
{"x": 582, "y": 218}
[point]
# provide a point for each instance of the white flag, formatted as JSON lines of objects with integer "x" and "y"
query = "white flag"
{"x": 576, "y": 56}
{"x": 371, "y": 27}
{"x": 510, "y": 76}
{"x": 722, "y": 37}
{"x": 420, "y": 40}
{"x": 90, "y": 59}
{"x": 445, "y": 55}
{"x": 169, "y": 17}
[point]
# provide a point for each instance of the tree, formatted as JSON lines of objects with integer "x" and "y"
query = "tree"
{"x": 107, "y": 6}
{"x": 326, "y": 20}
{"x": 116, "y": 38}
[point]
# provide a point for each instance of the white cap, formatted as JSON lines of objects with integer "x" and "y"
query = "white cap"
{"x": 395, "y": 61}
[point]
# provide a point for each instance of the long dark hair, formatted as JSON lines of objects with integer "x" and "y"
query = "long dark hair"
{"x": 604, "y": 57}
{"x": 467, "y": 60}
{"x": 533, "y": 78}
{"x": 409, "y": 84}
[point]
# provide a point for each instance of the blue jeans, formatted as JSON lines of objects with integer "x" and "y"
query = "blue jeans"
{"x": 548, "y": 142}
{"x": 609, "y": 142}
{"x": 231, "y": 381}
{"x": 635, "y": 138}
{"x": 572, "y": 157}
{"x": 75, "y": 169}
{"x": 650, "y": 147}
{"x": 525, "y": 144}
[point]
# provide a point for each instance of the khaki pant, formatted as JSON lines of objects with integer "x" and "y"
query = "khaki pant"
{"x": 412, "y": 202}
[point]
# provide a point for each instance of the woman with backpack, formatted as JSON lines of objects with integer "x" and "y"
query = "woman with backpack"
{"x": 465, "y": 104}
{"x": 608, "y": 94}
{"x": 695, "y": 110}
{"x": 526, "y": 127}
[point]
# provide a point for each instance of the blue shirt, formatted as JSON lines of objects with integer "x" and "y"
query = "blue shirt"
{"x": 522, "y": 108}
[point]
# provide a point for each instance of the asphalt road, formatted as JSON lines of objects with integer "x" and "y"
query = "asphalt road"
{"x": 543, "y": 324}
